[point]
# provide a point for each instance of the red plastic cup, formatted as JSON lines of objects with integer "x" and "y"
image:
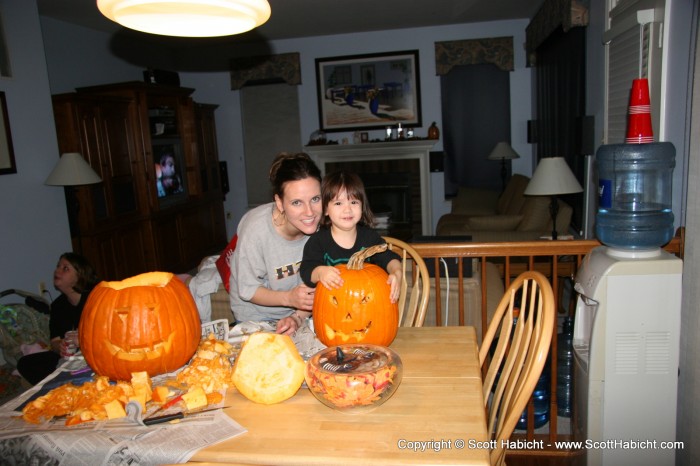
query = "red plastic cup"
{"x": 639, "y": 130}
{"x": 70, "y": 344}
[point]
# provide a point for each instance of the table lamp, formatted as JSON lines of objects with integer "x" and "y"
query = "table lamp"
{"x": 70, "y": 171}
{"x": 503, "y": 152}
{"x": 552, "y": 177}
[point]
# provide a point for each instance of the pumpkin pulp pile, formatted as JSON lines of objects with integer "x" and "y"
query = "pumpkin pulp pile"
{"x": 201, "y": 383}
{"x": 96, "y": 400}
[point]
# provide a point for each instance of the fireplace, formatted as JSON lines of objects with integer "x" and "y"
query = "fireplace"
{"x": 390, "y": 194}
{"x": 396, "y": 177}
{"x": 389, "y": 185}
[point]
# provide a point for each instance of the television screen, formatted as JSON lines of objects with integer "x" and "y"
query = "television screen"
{"x": 168, "y": 162}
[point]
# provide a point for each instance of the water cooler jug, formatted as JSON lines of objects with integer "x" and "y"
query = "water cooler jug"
{"x": 634, "y": 195}
{"x": 626, "y": 351}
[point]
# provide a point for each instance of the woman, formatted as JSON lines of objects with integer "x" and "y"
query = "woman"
{"x": 74, "y": 277}
{"x": 265, "y": 284}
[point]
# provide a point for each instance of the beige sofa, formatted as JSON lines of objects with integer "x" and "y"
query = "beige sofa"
{"x": 508, "y": 216}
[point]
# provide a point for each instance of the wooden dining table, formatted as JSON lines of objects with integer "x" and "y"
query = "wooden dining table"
{"x": 436, "y": 416}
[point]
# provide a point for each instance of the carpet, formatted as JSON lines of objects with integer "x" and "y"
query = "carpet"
{"x": 10, "y": 385}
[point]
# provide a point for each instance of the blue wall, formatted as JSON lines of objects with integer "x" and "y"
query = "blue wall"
{"x": 33, "y": 217}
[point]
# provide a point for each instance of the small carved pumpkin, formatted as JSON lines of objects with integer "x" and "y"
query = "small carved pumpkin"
{"x": 361, "y": 310}
{"x": 144, "y": 323}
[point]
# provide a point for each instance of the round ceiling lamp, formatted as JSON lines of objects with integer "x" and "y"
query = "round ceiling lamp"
{"x": 187, "y": 18}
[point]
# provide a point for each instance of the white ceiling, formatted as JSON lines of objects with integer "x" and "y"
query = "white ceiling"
{"x": 305, "y": 18}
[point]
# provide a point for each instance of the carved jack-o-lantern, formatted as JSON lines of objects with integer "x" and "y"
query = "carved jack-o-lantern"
{"x": 361, "y": 310}
{"x": 144, "y": 323}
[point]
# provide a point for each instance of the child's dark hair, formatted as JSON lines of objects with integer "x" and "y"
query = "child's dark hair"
{"x": 87, "y": 277}
{"x": 334, "y": 183}
{"x": 291, "y": 167}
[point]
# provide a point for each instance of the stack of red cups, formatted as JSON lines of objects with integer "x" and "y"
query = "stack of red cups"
{"x": 639, "y": 129}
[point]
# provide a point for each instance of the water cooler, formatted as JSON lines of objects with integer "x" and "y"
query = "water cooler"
{"x": 626, "y": 338}
{"x": 626, "y": 346}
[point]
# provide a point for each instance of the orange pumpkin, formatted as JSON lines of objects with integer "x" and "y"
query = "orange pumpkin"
{"x": 144, "y": 323}
{"x": 361, "y": 310}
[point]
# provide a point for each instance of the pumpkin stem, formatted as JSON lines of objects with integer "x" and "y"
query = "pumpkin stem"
{"x": 357, "y": 260}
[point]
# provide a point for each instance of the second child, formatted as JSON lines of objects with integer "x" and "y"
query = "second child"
{"x": 346, "y": 228}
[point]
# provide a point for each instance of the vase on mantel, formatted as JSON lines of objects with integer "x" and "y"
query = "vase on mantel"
{"x": 433, "y": 132}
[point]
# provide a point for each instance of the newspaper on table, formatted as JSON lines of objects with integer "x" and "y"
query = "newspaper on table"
{"x": 126, "y": 440}
{"x": 108, "y": 442}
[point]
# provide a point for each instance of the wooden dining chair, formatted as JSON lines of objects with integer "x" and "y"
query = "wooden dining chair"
{"x": 412, "y": 308}
{"x": 521, "y": 330}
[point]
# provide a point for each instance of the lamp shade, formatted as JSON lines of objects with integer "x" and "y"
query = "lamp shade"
{"x": 72, "y": 170}
{"x": 553, "y": 176}
{"x": 503, "y": 151}
{"x": 187, "y": 18}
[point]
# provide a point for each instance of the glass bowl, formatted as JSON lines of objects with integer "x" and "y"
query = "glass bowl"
{"x": 354, "y": 379}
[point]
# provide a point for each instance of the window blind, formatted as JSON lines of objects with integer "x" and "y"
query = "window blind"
{"x": 634, "y": 50}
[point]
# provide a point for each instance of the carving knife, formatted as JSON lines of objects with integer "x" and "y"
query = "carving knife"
{"x": 179, "y": 415}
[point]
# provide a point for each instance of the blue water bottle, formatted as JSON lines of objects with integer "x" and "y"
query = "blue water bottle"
{"x": 540, "y": 397}
{"x": 634, "y": 191}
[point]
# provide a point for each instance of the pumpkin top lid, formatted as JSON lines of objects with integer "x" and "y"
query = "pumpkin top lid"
{"x": 158, "y": 279}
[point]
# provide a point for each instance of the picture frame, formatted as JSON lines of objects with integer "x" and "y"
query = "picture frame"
{"x": 371, "y": 91}
{"x": 5, "y": 69}
{"x": 7, "y": 154}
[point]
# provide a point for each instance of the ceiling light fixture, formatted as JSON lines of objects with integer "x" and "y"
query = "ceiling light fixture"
{"x": 187, "y": 18}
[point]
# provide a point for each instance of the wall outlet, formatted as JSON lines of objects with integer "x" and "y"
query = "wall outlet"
{"x": 42, "y": 288}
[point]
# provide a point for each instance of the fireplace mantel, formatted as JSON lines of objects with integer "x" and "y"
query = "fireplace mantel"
{"x": 398, "y": 150}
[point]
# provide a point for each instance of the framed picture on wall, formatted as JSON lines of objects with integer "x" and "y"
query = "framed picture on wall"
{"x": 368, "y": 91}
{"x": 5, "y": 71}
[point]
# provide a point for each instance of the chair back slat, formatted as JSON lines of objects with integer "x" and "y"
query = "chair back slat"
{"x": 404, "y": 287}
{"x": 411, "y": 313}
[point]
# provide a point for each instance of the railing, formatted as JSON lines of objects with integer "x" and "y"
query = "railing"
{"x": 559, "y": 261}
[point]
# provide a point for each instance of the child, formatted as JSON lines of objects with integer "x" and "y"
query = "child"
{"x": 346, "y": 229}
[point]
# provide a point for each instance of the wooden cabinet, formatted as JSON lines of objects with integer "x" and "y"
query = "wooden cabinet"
{"x": 208, "y": 153}
{"x": 160, "y": 205}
